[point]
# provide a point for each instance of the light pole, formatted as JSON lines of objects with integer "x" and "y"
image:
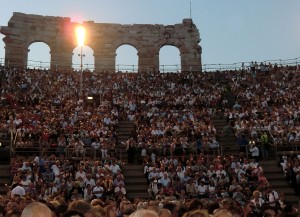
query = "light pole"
{"x": 80, "y": 31}
{"x": 81, "y": 79}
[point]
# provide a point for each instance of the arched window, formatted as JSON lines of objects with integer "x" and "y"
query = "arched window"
{"x": 38, "y": 56}
{"x": 169, "y": 59}
{"x": 2, "y": 50}
{"x": 126, "y": 59}
{"x": 84, "y": 56}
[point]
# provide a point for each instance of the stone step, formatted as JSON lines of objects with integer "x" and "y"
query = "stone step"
{"x": 277, "y": 177}
{"x": 271, "y": 168}
{"x": 5, "y": 181}
{"x": 3, "y": 189}
{"x": 125, "y": 128}
{"x": 286, "y": 191}
{"x": 132, "y": 196}
{"x": 292, "y": 199}
{"x": 135, "y": 181}
{"x": 4, "y": 166}
{"x": 137, "y": 188}
{"x": 123, "y": 138}
{"x": 124, "y": 132}
{"x": 133, "y": 167}
{"x": 125, "y": 122}
{"x": 133, "y": 174}
{"x": 268, "y": 163}
{"x": 278, "y": 184}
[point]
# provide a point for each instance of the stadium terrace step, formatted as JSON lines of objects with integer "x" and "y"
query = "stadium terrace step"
{"x": 137, "y": 188}
{"x": 279, "y": 184}
{"x": 277, "y": 180}
{"x": 277, "y": 177}
{"x": 135, "y": 181}
{"x": 287, "y": 191}
{"x": 229, "y": 144}
{"x": 292, "y": 199}
{"x": 124, "y": 132}
{"x": 5, "y": 177}
{"x": 123, "y": 138}
{"x": 270, "y": 168}
{"x": 132, "y": 196}
{"x": 3, "y": 190}
{"x": 133, "y": 173}
{"x": 4, "y": 180}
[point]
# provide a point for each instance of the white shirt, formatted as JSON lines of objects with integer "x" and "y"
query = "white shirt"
{"x": 114, "y": 168}
{"x": 254, "y": 151}
{"x": 120, "y": 190}
{"x": 81, "y": 174}
{"x": 90, "y": 182}
{"x": 273, "y": 196}
{"x": 98, "y": 191}
{"x": 202, "y": 189}
{"x": 96, "y": 145}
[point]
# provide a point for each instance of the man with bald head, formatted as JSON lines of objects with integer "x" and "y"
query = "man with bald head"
{"x": 36, "y": 209}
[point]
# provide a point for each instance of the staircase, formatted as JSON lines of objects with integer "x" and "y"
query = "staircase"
{"x": 277, "y": 180}
{"x": 135, "y": 182}
{"x": 229, "y": 144}
{"x": 228, "y": 94}
{"x": 5, "y": 176}
{"x": 125, "y": 130}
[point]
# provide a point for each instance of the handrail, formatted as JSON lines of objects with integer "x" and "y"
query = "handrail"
{"x": 167, "y": 67}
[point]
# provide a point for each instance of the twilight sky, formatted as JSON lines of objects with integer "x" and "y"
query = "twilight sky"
{"x": 231, "y": 30}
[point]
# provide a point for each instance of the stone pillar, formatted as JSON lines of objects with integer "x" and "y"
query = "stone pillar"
{"x": 16, "y": 55}
{"x": 105, "y": 61}
{"x": 148, "y": 61}
{"x": 191, "y": 61}
{"x": 61, "y": 59}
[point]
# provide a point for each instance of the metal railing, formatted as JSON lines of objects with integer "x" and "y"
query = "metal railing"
{"x": 245, "y": 65}
{"x": 169, "y": 68}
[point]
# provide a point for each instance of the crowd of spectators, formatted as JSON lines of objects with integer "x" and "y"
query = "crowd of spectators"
{"x": 266, "y": 103}
{"x": 289, "y": 162}
{"x": 173, "y": 116}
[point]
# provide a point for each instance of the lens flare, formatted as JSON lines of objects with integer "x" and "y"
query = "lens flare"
{"x": 80, "y": 32}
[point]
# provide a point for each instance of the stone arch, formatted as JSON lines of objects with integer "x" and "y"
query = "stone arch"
{"x": 103, "y": 38}
{"x": 31, "y": 63}
{"x": 128, "y": 41}
{"x": 164, "y": 60}
{"x": 125, "y": 51}
{"x": 88, "y": 59}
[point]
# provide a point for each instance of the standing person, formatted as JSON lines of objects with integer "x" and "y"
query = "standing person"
{"x": 254, "y": 152}
{"x": 130, "y": 149}
{"x": 265, "y": 145}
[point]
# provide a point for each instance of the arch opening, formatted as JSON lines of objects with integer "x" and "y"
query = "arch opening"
{"x": 126, "y": 59}
{"x": 169, "y": 59}
{"x": 83, "y": 58}
{"x": 39, "y": 56}
{"x": 2, "y": 50}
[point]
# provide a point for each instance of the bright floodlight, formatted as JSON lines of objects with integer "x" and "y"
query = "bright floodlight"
{"x": 80, "y": 32}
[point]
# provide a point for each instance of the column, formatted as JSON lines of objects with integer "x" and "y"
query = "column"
{"x": 105, "y": 62}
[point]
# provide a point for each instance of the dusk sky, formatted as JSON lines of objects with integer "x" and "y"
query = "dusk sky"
{"x": 231, "y": 30}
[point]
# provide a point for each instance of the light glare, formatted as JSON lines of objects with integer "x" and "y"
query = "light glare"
{"x": 80, "y": 32}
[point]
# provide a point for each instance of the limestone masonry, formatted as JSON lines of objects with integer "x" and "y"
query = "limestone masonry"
{"x": 104, "y": 38}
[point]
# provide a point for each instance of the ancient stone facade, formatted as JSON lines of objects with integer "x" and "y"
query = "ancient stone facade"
{"x": 104, "y": 38}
